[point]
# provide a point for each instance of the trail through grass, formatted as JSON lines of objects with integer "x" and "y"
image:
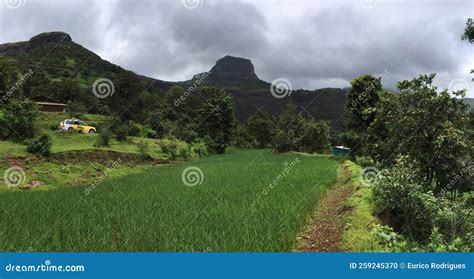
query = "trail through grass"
{"x": 233, "y": 209}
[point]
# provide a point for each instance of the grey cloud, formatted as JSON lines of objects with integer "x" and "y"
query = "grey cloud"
{"x": 319, "y": 44}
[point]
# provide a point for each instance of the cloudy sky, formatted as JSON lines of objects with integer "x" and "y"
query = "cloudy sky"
{"x": 313, "y": 44}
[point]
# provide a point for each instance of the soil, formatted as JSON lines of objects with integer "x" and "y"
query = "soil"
{"x": 324, "y": 232}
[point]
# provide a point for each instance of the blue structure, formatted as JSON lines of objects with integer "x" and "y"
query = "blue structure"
{"x": 340, "y": 151}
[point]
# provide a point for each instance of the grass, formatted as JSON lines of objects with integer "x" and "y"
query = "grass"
{"x": 63, "y": 141}
{"x": 358, "y": 236}
{"x": 233, "y": 209}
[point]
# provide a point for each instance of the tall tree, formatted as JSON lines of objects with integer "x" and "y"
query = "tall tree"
{"x": 289, "y": 129}
{"x": 468, "y": 34}
{"x": 261, "y": 130}
{"x": 217, "y": 119}
{"x": 426, "y": 125}
{"x": 361, "y": 100}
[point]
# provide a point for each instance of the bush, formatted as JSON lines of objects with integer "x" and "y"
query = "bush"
{"x": 184, "y": 151}
{"x": 399, "y": 197}
{"x": 214, "y": 145}
{"x": 149, "y": 133}
{"x": 365, "y": 161}
{"x": 54, "y": 126}
{"x": 316, "y": 137}
{"x": 284, "y": 141}
{"x": 133, "y": 129}
{"x": 199, "y": 148}
{"x": 103, "y": 139}
{"x": 121, "y": 132}
{"x": 143, "y": 149}
{"x": 404, "y": 202}
{"x": 176, "y": 149}
{"x": 40, "y": 146}
{"x": 169, "y": 147}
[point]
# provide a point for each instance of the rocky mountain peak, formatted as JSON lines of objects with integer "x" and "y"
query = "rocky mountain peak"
{"x": 50, "y": 37}
{"x": 235, "y": 68}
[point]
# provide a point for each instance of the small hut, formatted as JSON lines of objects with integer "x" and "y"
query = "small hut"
{"x": 47, "y": 104}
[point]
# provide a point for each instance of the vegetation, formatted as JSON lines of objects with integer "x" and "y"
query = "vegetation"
{"x": 217, "y": 128}
{"x": 18, "y": 121}
{"x": 158, "y": 212}
{"x": 361, "y": 222}
{"x": 419, "y": 137}
{"x": 296, "y": 133}
{"x": 40, "y": 146}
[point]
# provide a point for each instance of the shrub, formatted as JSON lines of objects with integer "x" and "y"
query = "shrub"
{"x": 184, "y": 151}
{"x": 168, "y": 146}
{"x": 199, "y": 148}
{"x": 284, "y": 141}
{"x": 143, "y": 148}
{"x": 54, "y": 126}
{"x": 316, "y": 137}
{"x": 175, "y": 149}
{"x": 40, "y": 146}
{"x": 103, "y": 139}
{"x": 400, "y": 197}
{"x": 402, "y": 200}
{"x": 149, "y": 133}
{"x": 121, "y": 132}
{"x": 133, "y": 129}
{"x": 214, "y": 145}
{"x": 364, "y": 161}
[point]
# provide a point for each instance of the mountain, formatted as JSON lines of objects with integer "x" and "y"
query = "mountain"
{"x": 470, "y": 101}
{"x": 55, "y": 57}
{"x": 232, "y": 71}
{"x": 251, "y": 94}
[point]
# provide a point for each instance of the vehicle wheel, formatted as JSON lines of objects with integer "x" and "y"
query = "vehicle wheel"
{"x": 91, "y": 131}
{"x": 70, "y": 129}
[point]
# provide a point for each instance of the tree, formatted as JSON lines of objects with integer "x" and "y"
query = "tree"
{"x": 426, "y": 125}
{"x": 468, "y": 34}
{"x": 19, "y": 119}
{"x": 126, "y": 98}
{"x": 361, "y": 100}
{"x": 9, "y": 71}
{"x": 75, "y": 109}
{"x": 316, "y": 137}
{"x": 217, "y": 119}
{"x": 289, "y": 129}
{"x": 261, "y": 130}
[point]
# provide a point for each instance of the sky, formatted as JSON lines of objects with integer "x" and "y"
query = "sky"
{"x": 312, "y": 44}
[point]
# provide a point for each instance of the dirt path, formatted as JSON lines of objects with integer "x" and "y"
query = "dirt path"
{"x": 324, "y": 233}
